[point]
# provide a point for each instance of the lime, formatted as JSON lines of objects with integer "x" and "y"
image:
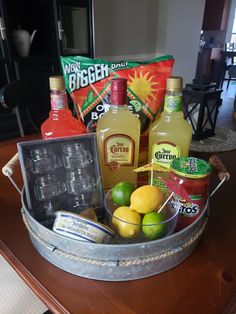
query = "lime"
{"x": 121, "y": 193}
{"x": 152, "y": 225}
{"x": 146, "y": 199}
{"x": 126, "y": 222}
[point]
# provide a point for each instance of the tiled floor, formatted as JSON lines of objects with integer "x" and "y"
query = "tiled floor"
{"x": 17, "y": 298}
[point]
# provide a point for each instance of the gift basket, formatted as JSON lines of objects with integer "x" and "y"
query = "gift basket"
{"x": 70, "y": 219}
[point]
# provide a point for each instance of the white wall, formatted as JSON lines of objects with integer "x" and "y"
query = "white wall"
{"x": 143, "y": 29}
{"x": 179, "y": 28}
{"x": 230, "y": 21}
{"x": 125, "y": 28}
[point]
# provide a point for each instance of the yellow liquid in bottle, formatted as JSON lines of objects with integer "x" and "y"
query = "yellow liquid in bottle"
{"x": 172, "y": 128}
{"x": 170, "y": 136}
{"x": 118, "y": 134}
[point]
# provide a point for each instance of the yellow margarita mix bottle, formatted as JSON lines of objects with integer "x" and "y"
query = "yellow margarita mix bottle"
{"x": 170, "y": 135}
{"x": 118, "y": 134}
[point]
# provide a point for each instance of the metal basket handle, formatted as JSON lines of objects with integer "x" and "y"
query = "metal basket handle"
{"x": 8, "y": 170}
{"x": 223, "y": 173}
{"x": 214, "y": 160}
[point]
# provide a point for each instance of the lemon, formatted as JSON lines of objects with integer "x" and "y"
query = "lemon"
{"x": 126, "y": 222}
{"x": 121, "y": 193}
{"x": 146, "y": 199}
{"x": 152, "y": 225}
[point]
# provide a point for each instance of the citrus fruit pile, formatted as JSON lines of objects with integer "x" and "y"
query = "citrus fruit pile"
{"x": 138, "y": 210}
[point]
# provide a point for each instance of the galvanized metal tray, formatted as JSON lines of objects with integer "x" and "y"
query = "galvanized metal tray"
{"x": 112, "y": 262}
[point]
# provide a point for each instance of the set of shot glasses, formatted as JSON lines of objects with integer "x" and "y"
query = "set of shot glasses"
{"x": 67, "y": 172}
{"x": 76, "y": 159}
{"x": 75, "y": 156}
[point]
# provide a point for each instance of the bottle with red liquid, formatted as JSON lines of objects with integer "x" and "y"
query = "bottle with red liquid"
{"x": 60, "y": 122}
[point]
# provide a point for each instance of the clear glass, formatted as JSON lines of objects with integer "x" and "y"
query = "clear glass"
{"x": 76, "y": 156}
{"x": 45, "y": 213}
{"x": 170, "y": 213}
{"x": 42, "y": 160}
{"x": 78, "y": 181}
{"x": 75, "y": 204}
{"x": 47, "y": 187}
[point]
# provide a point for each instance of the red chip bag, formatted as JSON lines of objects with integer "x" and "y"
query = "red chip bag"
{"x": 88, "y": 82}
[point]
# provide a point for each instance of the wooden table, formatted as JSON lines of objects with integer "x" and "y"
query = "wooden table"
{"x": 204, "y": 283}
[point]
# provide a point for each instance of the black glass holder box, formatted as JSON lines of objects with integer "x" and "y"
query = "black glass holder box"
{"x": 61, "y": 174}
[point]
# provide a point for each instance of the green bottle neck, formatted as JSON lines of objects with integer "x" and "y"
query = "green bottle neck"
{"x": 173, "y": 101}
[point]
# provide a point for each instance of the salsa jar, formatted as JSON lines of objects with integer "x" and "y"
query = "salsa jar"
{"x": 193, "y": 175}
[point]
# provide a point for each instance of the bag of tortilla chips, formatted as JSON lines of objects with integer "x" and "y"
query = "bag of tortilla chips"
{"x": 88, "y": 83}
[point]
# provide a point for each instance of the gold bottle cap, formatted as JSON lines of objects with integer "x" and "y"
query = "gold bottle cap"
{"x": 174, "y": 83}
{"x": 56, "y": 83}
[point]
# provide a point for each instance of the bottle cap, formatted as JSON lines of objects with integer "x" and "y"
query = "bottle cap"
{"x": 118, "y": 91}
{"x": 56, "y": 83}
{"x": 174, "y": 83}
